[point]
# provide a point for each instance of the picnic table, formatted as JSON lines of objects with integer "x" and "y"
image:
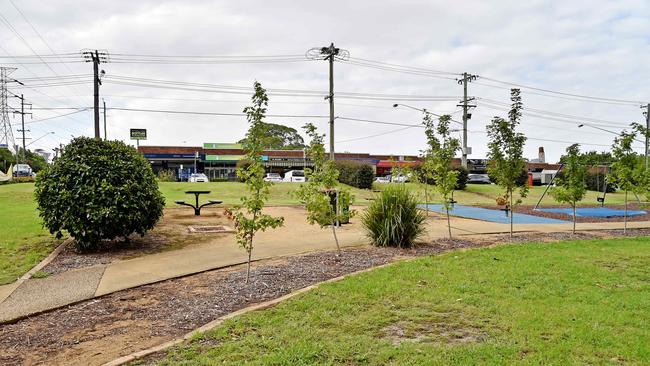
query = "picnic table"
{"x": 196, "y": 207}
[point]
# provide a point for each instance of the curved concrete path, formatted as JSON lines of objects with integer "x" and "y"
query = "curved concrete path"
{"x": 296, "y": 237}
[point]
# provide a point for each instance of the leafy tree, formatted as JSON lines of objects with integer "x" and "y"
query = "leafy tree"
{"x": 626, "y": 172}
{"x": 35, "y": 161}
{"x": 280, "y": 137}
{"x": 592, "y": 158}
{"x": 440, "y": 152}
{"x": 98, "y": 190}
{"x": 7, "y": 159}
{"x": 248, "y": 216}
{"x": 570, "y": 185}
{"x": 322, "y": 184}
{"x": 505, "y": 153}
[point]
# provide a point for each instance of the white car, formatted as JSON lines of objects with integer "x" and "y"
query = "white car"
{"x": 401, "y": 178}
{"x": 294, "y": 176}
{"x": 273, "y": 177}
{"x": 385, "y": 179}
{"x": 198, "y": 178}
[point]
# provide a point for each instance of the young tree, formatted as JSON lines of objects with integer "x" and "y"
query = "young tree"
{"x": 441, "y": 150}
{"x": 322, "y": 183}
{"x": 248, "y": 216}
{"x": 505, "y": 153}
{"x": 570, "y": 185}
{"x": 625, "y": 171}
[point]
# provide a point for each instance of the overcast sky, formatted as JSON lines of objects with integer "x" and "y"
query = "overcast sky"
{"x": 594, "y": 48}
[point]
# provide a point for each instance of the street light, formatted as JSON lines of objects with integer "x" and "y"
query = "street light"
{"x": 423, "y": 110}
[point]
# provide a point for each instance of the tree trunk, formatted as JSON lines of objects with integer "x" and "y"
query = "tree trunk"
{"x": 426, "y": 196}
{"x": 512, "y": 213}
{"x": 336, "y": 239}
{"x": 625, "y": 216}
{"x": 448, "y": 221}
{"x": 574, "y": 218}
{"x": 248, "y": 267}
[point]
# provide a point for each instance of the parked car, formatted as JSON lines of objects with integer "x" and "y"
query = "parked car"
{"x": 478, "y": 179}
{"x": 385, "y": 179}
{"x": 22, "y": 170}
{"x": 273, "y": 177}
{"x": 401, "y": 178}
{"x": 294, "y": 176}
{"x": 198, "y": 178}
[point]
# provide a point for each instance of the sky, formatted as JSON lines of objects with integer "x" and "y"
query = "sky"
{"x": 594, "y": 53}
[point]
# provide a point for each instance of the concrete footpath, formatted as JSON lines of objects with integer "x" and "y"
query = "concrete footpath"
{"x": 296, "y": 237}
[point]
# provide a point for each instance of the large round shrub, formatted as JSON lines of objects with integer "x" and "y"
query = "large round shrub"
{"x": 98, "y": 190}
{"x": 393, "y": 219}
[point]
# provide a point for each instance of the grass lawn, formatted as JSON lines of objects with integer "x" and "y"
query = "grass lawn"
{"x": 23, "y": 241}
{"x": 580, "y": 302}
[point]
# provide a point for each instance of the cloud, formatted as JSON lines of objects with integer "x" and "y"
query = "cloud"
{"x": 594, "y": 48}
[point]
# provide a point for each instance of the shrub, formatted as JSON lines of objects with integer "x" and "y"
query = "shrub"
{"x": 393, "y": 219}
{"x": 356, "y": 174}
{"x": 461, "y": 178}
{"x": 98, "y": 190}
{"x": 167, "y": 176}
{"x": 461, "y": 182}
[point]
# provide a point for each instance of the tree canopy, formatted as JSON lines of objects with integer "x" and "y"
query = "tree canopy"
{"x": 279, "y": 137}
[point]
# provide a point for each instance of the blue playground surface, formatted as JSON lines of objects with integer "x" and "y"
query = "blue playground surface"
{"x": 486, "y": 214}
{"x": 593, "y": 211}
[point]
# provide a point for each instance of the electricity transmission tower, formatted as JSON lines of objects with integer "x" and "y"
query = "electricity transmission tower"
{"x": 6, "y": 132}
{"x": 329, "y": 53}
{"x": 467, "y": 78}
{"x": 96, "y": 57}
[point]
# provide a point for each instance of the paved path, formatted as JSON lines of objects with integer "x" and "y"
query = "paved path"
{"x": 37, "y": 295}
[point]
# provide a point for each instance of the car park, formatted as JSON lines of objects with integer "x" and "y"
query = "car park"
{"x": 198, "y": 178}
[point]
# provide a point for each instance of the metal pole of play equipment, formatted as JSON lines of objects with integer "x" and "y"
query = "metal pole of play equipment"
{"x": 548, "y": 186}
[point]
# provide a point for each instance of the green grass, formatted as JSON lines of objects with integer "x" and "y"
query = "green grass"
{"x": 23, "y": 241}
{"x": 580, "y": 302}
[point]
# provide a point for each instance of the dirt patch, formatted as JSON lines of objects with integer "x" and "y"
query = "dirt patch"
{"x": 210, "y": 229}
{"x": 170, "y": 233}
{"x": 448, "y": 331}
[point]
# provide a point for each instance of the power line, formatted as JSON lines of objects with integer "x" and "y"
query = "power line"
{"x": 210, "y": 113}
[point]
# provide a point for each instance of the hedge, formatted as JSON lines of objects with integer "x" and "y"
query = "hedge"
{"x": 355, "y": 173}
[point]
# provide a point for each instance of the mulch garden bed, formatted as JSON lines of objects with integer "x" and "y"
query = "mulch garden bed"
{"x": 99, "y": 330}
{"x": 560, "y": 216}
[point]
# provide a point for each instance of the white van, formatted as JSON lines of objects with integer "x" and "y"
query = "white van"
{"x": 294, "y": 176}
{"x": 22, "y": 170}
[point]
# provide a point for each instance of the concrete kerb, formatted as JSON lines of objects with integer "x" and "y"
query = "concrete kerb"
{"x": 35, "y": 269}
{"x": 217, "y": 322}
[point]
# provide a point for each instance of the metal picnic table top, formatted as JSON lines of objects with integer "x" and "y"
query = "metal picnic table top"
{"x": 196, "y": 207}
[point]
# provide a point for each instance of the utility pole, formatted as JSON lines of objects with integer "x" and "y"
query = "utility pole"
{"x": 22, "y": 119}
{"x": 647, "y": 131}
{"x": 329, "y": 53}
{"x": 464, "y": 103}
{"x": 96, "y": 58}
{"x": 105, "y": 133}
